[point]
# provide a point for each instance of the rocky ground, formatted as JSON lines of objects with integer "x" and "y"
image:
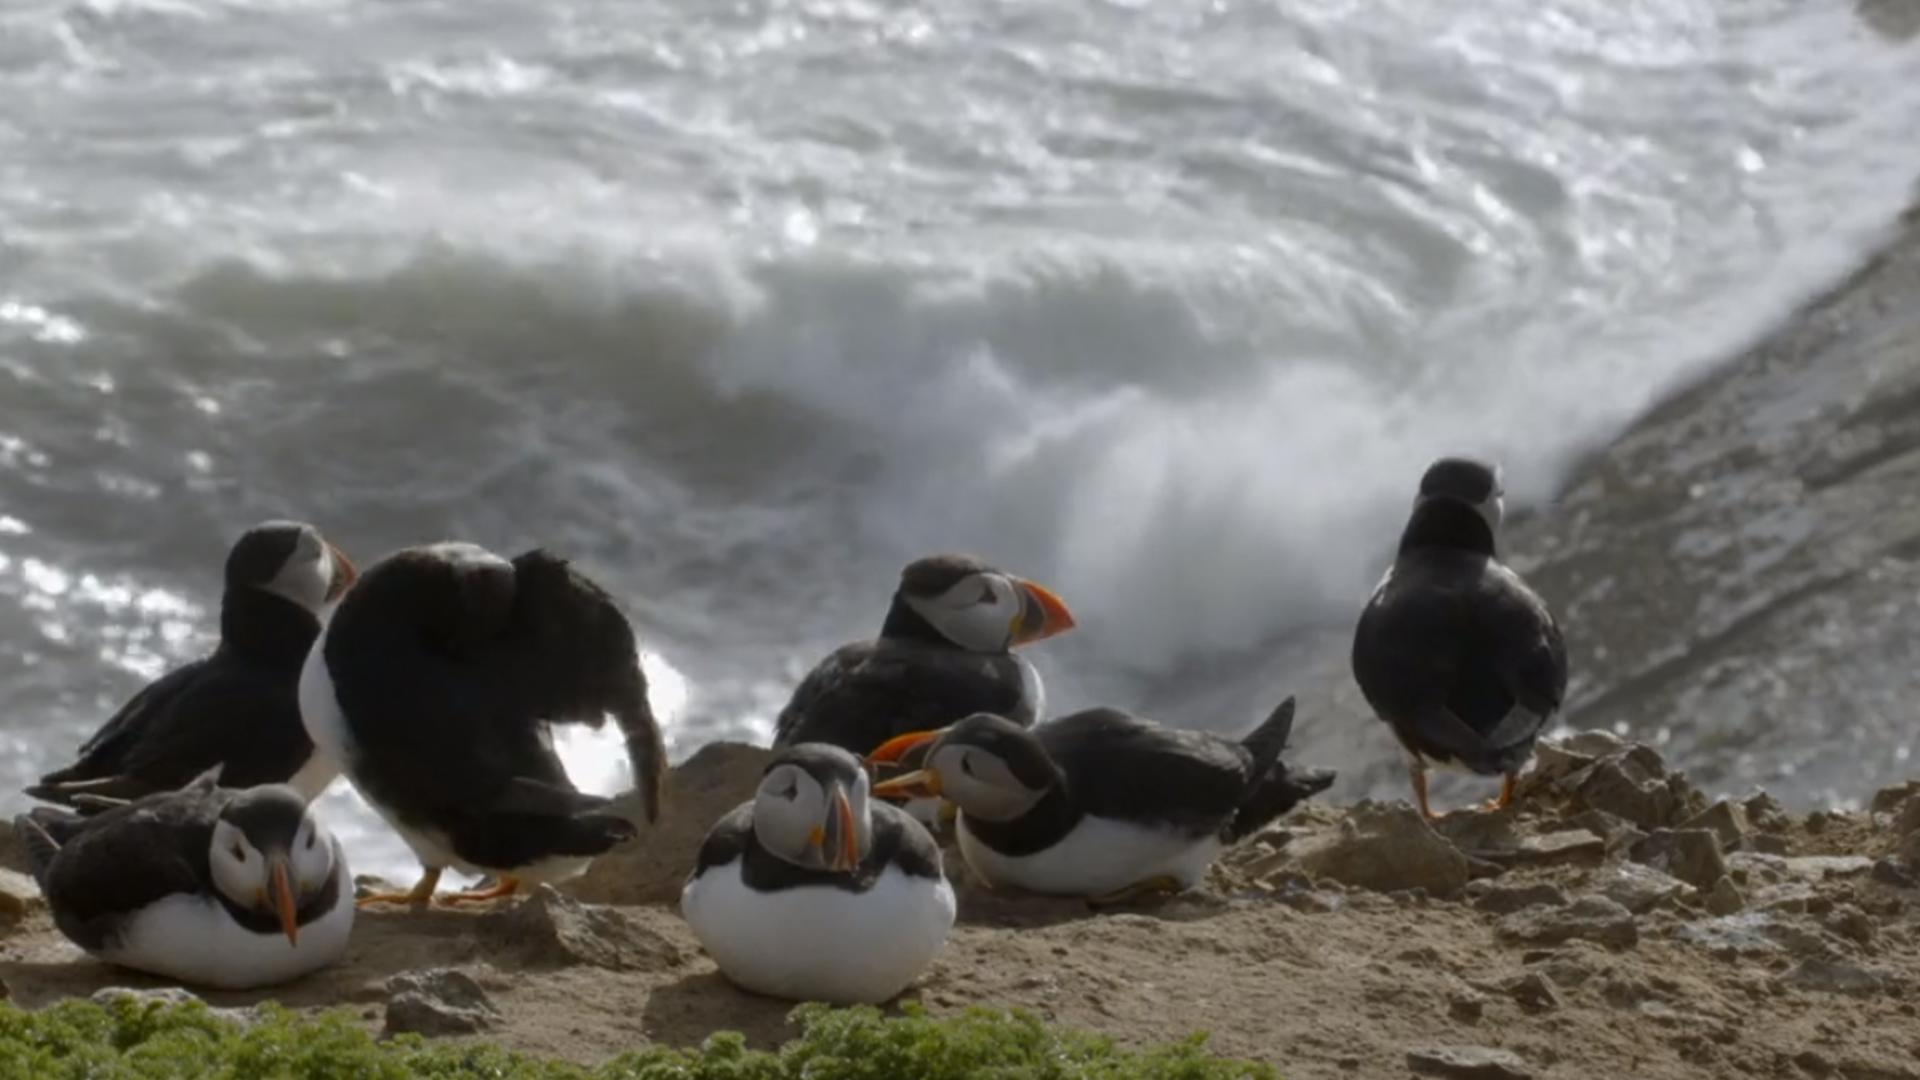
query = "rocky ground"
{"x": 1614, "y": 922}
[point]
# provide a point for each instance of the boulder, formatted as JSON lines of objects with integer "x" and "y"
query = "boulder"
{"x": 1386, "y": 849}
{"x": 1468, "y": 1063}
{"x": 442, "y": 1001}
{"x": 1727, "y": 822}
{"x": 551, "y": 930}
{"x": 1639, "y": 888}
{"x": 1692, "y": 855}
{"x": 1894, "y": 799}
{"x": 1591, "y": 918}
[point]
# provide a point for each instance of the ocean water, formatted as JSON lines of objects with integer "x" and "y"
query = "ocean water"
{"x": 744, "y": 304}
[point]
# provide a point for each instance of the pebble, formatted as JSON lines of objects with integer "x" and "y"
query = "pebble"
{"x": 1468, "y": 1063}
{"x": 441, "y": 1001}
{"x": 1591, "y": 918}
{"x": 1692, "y": 855}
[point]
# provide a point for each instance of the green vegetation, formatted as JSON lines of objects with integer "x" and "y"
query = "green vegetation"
{"x": 129, "y": 1038}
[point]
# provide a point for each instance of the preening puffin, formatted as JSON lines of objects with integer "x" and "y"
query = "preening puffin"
{"x": 1460, "y": 658}
{"x": 238, "y": 708}
{"x": 434, "y": 685}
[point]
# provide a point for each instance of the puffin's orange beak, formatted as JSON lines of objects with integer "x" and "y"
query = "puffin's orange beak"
{"x": 1042, "y": 615}
{"x": 280, "y": 892}
{"x": 893, "y": 750}
{"x": 839, "y": 839}
{"x": 922, "y": 784}
{"x": 344, "y": 573}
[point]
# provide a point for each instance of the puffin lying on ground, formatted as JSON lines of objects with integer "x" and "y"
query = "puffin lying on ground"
{"x": 208, "y": 885}
{"x": 813, "y": 892}
{"x": 944, "y": 651}
{"x": 237, "y": 708}
{"x": 1101, "y": 804}
{"x": 434, "y": 685}
{"x": 1460, "y": 658}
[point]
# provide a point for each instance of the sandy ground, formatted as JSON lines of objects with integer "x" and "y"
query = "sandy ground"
{"x": 1333, "y": 946}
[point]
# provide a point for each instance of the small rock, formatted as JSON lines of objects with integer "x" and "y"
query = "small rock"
{"x": 1805, "y": 867}
{"x": 1692, "y": 855}
{"x": 1724, "y": 820}
{"x": 1769, "y": 843}
{"x": 1593, "y": 743}
{"x": 1639, "y": 888}
{"x": 1609, "y": 788}
{"x": 1766, "y": 813}
{"x": 1466, "y": 1006}
{"x": 1725, "y": 898}
{"x": 548, "y": 928}
{"x": 1888, "y": 872}
{"x": 1890, "y": 799}
{"x": 1533, "y": 991}
{"x": 1851, "y": 923}
{"x": 1908, "y": 822}
{"x": 1386, "y": 849}
{"x": 1813, "y": 1063}
{"x": 1592, "y": 918}
{"x": 438, "y": 1002}
{"x": 1833, "y": 977}
{"x": 1468, "y": 1063}
{"x": 1499, "y": 899}
{"x": 1569, "y": 846}
{"x": 19, "y": 896}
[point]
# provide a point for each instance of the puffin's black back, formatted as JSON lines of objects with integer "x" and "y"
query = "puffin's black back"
{"x": 863, "y": 694}
{"x": 447, "y": 671}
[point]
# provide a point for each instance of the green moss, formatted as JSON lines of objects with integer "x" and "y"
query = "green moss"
{"x": 128, "y": 1038}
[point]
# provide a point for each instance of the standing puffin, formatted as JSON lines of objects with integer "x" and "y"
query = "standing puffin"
{"x": 238, "y": 708}
{"x": 208, "y": 885}
{"x": 434, "y": 685}
{"x": 944, "y": 652}
{"x": 813, "y": 892}
{"x": 1101, "y": 804}
{"x": 1460, "y": 658}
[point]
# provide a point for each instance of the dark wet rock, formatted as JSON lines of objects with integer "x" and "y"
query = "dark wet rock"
{"x": 1533, "y": 991}
{"x": 1834, "y": 977}
{"x": 1502, "y": 899}
{"x": 1468, "y": 1063}
{"x": 438, "y": 1002}
{"x": 550, "y": 929}
{"x": 1692, "y": 855}
{"x": 1724, "y": 820}
{"x": 1386, "y": 849}
{"x": 1640, "y": 888}
{"x": 1725, "y": 898}
{"x": 1591, "y": 918}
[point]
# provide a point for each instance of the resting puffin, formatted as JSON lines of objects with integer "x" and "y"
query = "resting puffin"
{"x": 1461, "y": 659}
{"x": 237, "y": 708}
{"x": 208, "y": 885}
{"x": 1101, "y": 804}
{"x": 813, "y": 892}
{"x": 944, "y": 652}
{"x": 434, "y": 685}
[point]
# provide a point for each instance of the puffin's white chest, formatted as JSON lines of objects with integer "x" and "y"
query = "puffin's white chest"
{"x": 1033, "y": 691}
{"x": 1100, "y": 855}
{"x": 190, "y": 937}
{"x": 816, "y": 942}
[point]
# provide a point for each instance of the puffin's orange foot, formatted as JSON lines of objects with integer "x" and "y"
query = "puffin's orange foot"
{"x": 506, "y": 886}
{"x": 1505, "y": 798}
{"x": 419, "y": 896}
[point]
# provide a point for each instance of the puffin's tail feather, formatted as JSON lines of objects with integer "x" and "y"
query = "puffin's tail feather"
{"x": 1267, "y": 741}
{"x": 66, "y": 792}
{"x": 646, "y": 750}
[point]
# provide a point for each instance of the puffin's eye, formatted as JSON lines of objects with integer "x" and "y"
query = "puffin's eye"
{"x": 239, "y": 853}
{"x": 987, "y": 595}
{"x": 966, "y": 764}
{"x": 310, "y": 839}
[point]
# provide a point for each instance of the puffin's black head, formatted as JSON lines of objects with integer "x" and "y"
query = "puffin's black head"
{"x": 290, "y": 559}
{"x": 269, "y": 854}
{"x": 812, "y": 808}
{"x": 990, "y": 767}
{"x": 960, "y": 600}
{"x": 1460, "y": 505}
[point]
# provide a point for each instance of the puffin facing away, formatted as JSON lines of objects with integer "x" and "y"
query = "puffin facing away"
{"x": 1460, "y": 658}
{"x": 208, "y": 885}
{"x": 1102, "y": 804}
{"x": 813, "y": 892}
{"x": 434, "y": 686}
{"x": 944, "y": 652}
{"x": 238, "y": 708}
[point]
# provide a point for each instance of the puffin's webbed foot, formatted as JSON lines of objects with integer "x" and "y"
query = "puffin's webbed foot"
{"x": 1163, "y": 885}
{"x": 506, "y": 886}
{"x": 1417, "y": 772}
{"x": 419, "y": 896}
{"x": 1508, "y": 785}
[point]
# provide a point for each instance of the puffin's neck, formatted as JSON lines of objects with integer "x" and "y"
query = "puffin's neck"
{"x": 1448, "y": 524}
{"x": 905, "y": 624}
{"x": 1042, "y": 826}
{"x": 265, "y": 627}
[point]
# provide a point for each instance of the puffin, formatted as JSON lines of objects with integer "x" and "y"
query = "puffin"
{"x": 812, "y": 891}
{"x": 944, "y": 652}
{"x": 1453, "y": 651}
{"x": 237, "y": 708}
{"x": 435, "y": 684}
{"x": 1101, "y": 804}
{"x": 212, "y": 886}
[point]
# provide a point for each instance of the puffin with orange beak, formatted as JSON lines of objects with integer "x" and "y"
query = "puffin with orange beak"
{"x": 239, "y": 708}
{"x": 1101, "y": 804}
{"x": 944, "y": 652}
{"x": 212, "y": 886}
{"x": 813, "y": 892}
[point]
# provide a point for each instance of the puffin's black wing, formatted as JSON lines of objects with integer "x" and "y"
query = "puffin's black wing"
{"x": 214, "y": 711}
{"x": 865, "y": 693}
{"x": 1122, "y": 766}
{"x": 1461, "y": 659}
{"x": 108, "y": 866}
